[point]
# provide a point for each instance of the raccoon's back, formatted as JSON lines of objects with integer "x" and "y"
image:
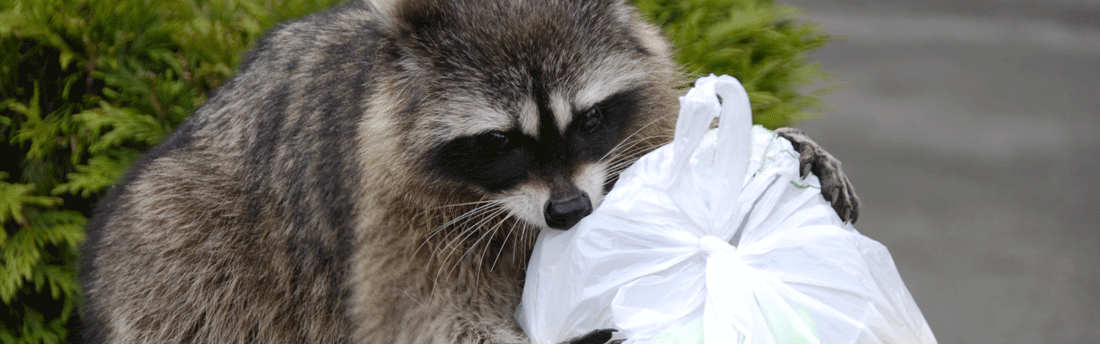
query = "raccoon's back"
{"x": 238, "y": 227}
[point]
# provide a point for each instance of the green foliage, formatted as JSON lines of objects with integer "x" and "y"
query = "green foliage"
{"x": 756, "y": 41}
{"x": 87, "y": 85}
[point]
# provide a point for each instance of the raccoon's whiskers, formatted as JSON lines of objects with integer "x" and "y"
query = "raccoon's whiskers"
{"x": 492, "y": 233}
{"x": 628, "y": 137}
{"x": 481, "y": 211}
{"x": 631, "y": 154}
{"x": 529, "y": 242}
{"x": 463, "y": 235}
{"x": 464, "y": 218}
{"x": 521, "y": 241}
{"x": 458, "y": 237}
{"x": 454, "y": 244}
{"x": 503, "y": 244}
{"x": 464, "y": 204}
{"x": 628, "y": 157}
{"x": 484, "y": 234}
{"x": 489, "y": 214}
{"x": 484, "y": 206}
{"x": 631, "y": 147}
{"x": 621, "y": 165}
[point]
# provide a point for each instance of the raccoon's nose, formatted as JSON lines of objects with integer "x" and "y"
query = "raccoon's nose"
{"x": 563, "y": 214}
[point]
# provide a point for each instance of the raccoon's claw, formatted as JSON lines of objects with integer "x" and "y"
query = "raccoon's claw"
{"x": 834, "y": 183}
{"x": 602, "y": 336}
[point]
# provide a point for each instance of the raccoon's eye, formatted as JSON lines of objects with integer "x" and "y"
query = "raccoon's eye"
{"x": 590, "y": 120}
{"x": 494, "y": 142}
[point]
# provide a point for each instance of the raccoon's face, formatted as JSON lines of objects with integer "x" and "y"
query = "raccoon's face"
{"x": 545, "y": 161}
{"x": 527, "y": 103}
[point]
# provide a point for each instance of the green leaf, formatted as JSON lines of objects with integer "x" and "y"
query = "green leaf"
{"x": 100, "y": 172}
{"x": 13, "y": 198}
{"x": 25, "y": 250}
{"x": 66, "y": 58}
{"x": 125, "y": 125}
{"x": 61, "y": 228}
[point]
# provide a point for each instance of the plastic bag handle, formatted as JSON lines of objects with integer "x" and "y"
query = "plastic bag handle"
{"x": 721, "y": 97}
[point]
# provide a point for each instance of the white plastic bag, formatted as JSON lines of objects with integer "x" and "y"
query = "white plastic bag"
{"x": 655, "y": 260}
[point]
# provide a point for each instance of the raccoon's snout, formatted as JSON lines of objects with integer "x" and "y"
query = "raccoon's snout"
{"x": 564, "y": 213}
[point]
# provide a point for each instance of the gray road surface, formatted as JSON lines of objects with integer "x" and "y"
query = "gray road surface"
{"x": 970, "y": 129}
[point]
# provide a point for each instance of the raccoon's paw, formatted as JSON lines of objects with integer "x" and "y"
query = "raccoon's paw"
{"x": 596, "y": 337}
{"x": 834, "y": 184}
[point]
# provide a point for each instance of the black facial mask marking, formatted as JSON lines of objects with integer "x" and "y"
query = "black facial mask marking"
{"x": 500, "y": 160}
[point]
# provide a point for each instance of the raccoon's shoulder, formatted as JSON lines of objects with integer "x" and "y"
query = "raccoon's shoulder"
{"x": 311, "y": 52}
{"x": 314, "y": 69}
{"x": 324, "y": 40}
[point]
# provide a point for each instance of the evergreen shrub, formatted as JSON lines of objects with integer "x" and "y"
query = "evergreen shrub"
{"x": 761, "y": 43}
{"x": 87, "y": 85}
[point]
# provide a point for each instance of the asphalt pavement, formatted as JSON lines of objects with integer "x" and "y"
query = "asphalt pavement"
{"x": 970, "y": 130}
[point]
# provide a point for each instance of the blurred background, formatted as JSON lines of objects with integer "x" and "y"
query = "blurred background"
{"x": 966, "y": 126}
{"x": 970, "y": 131}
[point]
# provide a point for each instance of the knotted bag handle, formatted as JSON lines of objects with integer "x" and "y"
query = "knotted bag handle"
{"x": 734, "y": 289}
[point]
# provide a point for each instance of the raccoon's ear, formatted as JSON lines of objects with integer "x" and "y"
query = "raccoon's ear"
{"x": 648, "y": 35}
{"x": 383, "y": 6}
{"x": 413, "y": 16}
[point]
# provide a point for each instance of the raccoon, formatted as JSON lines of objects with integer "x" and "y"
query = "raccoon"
{"x": 378, "y": 173}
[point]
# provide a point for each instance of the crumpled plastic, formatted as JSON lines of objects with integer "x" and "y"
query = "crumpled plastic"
{"x": 715, "y": 238}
